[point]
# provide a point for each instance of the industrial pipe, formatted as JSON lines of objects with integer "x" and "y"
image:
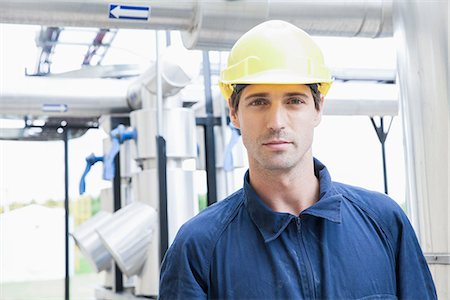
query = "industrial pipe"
{"x": 91, "y": 97}
{"x": 209, "y": 25}
{"x": 40, "y": 96}
{"x": 423, "y": 76}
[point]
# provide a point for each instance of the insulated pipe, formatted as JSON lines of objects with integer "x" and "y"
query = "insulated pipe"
{"x": 423, "y": 76}
{"x": 63, "y": 97}
{"x": 220, "y": 23}
{"x": 214, "y": 24}
{"x": 90, "y": 97}
{"x": 95, "y": 97}
{"x": 167, "y": 15}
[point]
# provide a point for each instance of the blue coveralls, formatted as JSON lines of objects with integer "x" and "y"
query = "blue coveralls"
{"x": 351, "y": 244}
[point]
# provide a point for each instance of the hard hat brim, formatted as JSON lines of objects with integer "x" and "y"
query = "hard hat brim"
{"x": 274, "y": 77}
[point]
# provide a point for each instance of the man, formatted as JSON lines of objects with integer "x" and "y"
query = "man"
{"x": 291, "y": 232}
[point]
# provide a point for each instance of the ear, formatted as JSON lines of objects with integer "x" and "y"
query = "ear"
{"x": 318, "y": 117}
{"x": 233, "y": 115}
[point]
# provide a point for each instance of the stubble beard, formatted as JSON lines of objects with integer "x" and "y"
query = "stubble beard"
{"x": 278, "y": 161}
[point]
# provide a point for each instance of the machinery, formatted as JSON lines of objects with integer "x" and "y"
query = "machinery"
{"x": 149, "y": 161}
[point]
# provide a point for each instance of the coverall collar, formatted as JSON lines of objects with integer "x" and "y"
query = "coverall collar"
{"x": 271, "y": 223}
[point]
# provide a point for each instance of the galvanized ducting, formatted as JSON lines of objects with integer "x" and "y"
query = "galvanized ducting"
{"x": 423, "y": 64}
{"x": 214, "y": 24}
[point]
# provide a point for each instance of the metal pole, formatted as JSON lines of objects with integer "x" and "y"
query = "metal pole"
{"x": 382, "y": 135}
{"x": 383, "y": 153}
{"x": 118, "y": 276}
{"x": 66, "y": 216}
{"x": 162, "y": 158}
{"x": 162, "y": 184}
{"x": 159, "y": 97}
{"x": 117, "y": 198}
{"x": 210, "y": 147}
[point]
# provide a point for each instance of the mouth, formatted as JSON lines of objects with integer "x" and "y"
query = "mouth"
{"x": 277, "y": 144}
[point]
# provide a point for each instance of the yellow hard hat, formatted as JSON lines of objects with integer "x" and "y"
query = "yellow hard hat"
{"x": 275, "y": 52}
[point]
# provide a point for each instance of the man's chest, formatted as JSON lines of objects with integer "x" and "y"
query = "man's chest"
{"x": 309, "y": 259}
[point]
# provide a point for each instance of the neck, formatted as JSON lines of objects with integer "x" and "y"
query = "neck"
{"x": 289, "y": 191}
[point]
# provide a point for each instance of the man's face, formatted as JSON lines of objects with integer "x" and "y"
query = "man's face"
{"x": 277, "y": 123}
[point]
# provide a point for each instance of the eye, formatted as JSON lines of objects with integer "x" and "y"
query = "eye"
{"x": 295, "y": 101}
{"x": 258, "y": 102}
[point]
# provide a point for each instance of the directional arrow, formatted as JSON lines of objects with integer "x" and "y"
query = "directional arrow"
{"x": 129, "y": 12}
{"x": 54, "y": 107}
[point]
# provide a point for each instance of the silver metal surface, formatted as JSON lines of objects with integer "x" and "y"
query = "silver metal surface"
{"x": 176, "y": 71}
{"x": 214, "y": 24}
{"x": 167, "y": 15}
{"x": 128, "y": 234}
{"x": 182, "y": 205}
{"x": 146, "y": 189}
{"x": 104, "y": 71}
{"x": 128, "y": 165}
{"x": 383, "y": 75}
{"x": 423, "y": 67}
{"x": 350, "y": 107}
{"x": 438, "y": 258}
{"x": 178, "y": 129}
{"x": 63, "y": 97}
{"x": 92, "y": 97}
{"x": 89, "y": 243}
{"x": 220, "y": 23}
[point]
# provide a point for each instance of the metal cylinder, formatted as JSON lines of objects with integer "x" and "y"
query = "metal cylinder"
{"x": 128, "y": 234}
{"x": 424, "y": 92}
{"x": 182, "y": 205}
{"x": 177, "y": 122}
{"x": 178, "y": 68}
{"x": 63, "y": 97}
{"x": 89, "y": 243}
{"x": 168, "y": 15}
{"x": 220, "y": 23}
{"x": 214, "y": 24}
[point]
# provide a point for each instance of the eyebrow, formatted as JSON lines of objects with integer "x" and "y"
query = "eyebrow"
{"x": 295, "y": 94}
{"x": 256, "y": 95}
{"x": 267, "y": 94}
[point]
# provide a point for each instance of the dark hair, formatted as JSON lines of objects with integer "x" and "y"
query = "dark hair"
{"x": 238, "y": 88}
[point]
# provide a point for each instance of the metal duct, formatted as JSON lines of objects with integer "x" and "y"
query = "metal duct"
{"x": 90, "y": 97}
{"x": 88, "y": 241}
{"x": 214, "y": 24}
{"x": 127, "y": 235}
{"x": 63, "y": 97}
{"x": 167, "y": 15}
{"x": 220, "y": 23}
{"x": 423, "y": 74}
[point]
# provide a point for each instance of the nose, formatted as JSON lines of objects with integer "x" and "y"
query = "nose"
{"x": 276, "y": 117}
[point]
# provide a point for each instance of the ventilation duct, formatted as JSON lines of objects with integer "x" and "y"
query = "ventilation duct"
{"x": 214, "y": 24}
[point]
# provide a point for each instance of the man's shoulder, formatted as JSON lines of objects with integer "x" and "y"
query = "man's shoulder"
{"x": 378, "y": 205}
{"x": 207, "y": 226}
{"x": 375, "y": 200}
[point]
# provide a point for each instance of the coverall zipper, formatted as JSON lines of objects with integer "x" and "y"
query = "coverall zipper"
{"x": 306, "y": 261}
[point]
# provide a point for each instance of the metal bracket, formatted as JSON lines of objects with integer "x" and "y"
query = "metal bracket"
{"x": 438, "y": 258}
{"x": 382, "y": 135}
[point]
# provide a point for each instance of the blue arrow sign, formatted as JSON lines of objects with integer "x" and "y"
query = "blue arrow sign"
{"x": 128, "y": 12}
{"x": 54, "y": 107}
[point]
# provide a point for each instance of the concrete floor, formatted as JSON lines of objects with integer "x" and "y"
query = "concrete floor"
{"x": 82, "y": 287}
